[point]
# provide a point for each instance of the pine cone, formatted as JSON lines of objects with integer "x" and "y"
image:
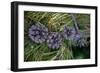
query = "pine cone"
{"x": 54, "y": 40}
{"x": 38, "y": 33}
{"x": 69, "y": 33}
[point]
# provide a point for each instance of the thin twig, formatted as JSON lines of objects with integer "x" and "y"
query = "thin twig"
{"x": 75, "y": 23}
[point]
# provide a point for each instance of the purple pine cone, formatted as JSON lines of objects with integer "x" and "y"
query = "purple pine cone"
{"x": 38, "y": 33}
{"x": 79, "y": 40}
{"x": 54, "y": 40}
{"x": 69, "y": 33}
{"x": 77, "y": 37}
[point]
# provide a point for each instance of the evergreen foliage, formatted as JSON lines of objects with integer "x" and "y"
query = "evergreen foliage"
{"x": 55, "y": 22}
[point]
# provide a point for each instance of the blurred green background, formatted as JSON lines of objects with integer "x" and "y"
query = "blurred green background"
{"x": 55, "y": 21}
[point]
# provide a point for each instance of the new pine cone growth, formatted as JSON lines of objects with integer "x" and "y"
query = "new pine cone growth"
{"x": 38, "y": 33}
